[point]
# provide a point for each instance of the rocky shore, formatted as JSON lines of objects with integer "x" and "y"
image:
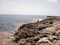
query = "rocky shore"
{"x": 44, "y": 32}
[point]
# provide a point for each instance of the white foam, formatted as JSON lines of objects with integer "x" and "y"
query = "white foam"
{"x": 35, "y": 20}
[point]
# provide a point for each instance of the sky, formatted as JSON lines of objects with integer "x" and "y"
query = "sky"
{"x": 30, "y": 7}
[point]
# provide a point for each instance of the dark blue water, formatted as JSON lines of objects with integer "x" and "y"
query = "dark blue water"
{"x": 7, "y": 22}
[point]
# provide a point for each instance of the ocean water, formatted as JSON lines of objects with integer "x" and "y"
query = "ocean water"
{"x": 10, "y": 22}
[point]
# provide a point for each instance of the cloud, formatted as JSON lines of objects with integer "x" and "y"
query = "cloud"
{"x": 27, "y": 7}
{"x": 52, "y": 1}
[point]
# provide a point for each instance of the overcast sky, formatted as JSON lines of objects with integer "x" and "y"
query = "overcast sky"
{"x": 30, "y": 7}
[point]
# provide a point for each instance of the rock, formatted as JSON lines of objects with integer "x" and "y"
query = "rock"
{"x": 45, "y": 40}
{"x": 22, "y": 42}
{"x": 36, "y": 32}
{"x": 28, "y": 43}
{"x": 6, "y": 39}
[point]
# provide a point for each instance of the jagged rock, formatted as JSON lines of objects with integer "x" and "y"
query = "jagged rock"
{"x": 32, "y": 32}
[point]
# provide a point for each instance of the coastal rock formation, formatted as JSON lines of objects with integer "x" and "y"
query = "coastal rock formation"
{"x": 31, "y": 33}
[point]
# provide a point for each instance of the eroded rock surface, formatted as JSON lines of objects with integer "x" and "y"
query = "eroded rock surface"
{"x": 30, "y": 34}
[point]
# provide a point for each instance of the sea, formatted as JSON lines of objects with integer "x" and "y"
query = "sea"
{"x": 11, "y": 22}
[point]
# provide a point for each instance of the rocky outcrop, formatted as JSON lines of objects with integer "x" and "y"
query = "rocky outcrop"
{"x": 31, "y": 33}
